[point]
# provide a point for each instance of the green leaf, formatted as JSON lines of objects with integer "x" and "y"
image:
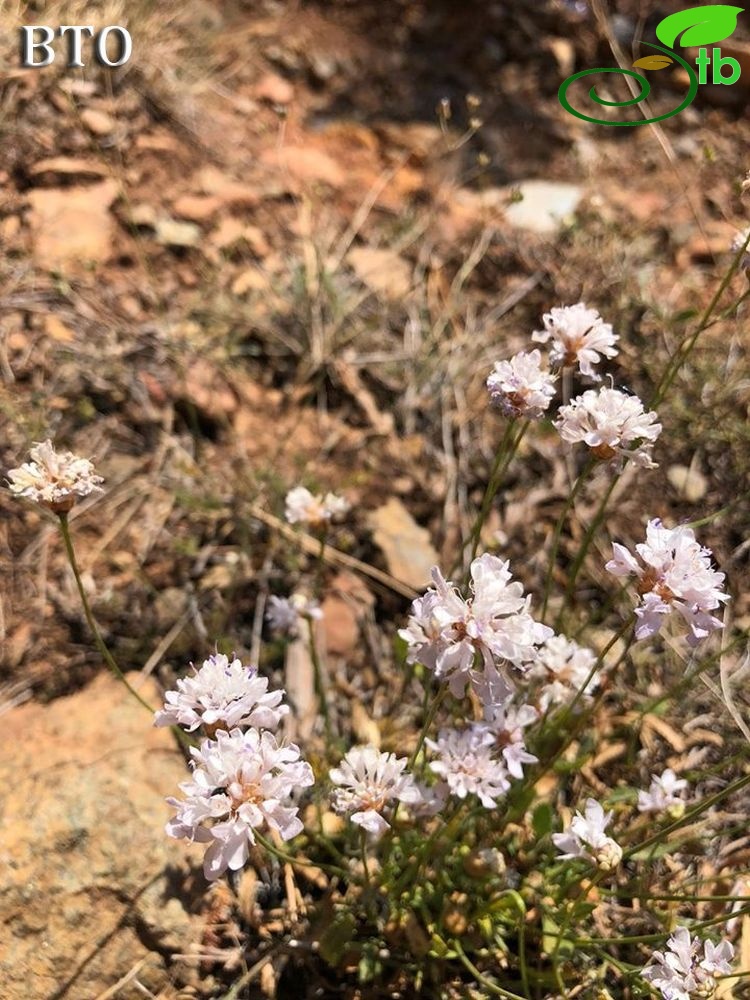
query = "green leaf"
{"x": 699, "y": 25}
{"x": 551, "y": 935}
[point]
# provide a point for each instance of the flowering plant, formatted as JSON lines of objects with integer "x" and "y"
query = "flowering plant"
{"x": 444, "y": 833}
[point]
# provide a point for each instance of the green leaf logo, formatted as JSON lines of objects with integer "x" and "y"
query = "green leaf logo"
{"x": 699, "y": 25}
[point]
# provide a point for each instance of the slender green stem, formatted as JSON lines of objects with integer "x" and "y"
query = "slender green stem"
{"x": 319, "y": 683}
{"x": 300, "y": 862}
{"x": 690, "y": 815}
{"x": 558, "y": 531}
{"x": 320, "y": 563}
{"x": 570, "y": 912}
{"x": 598, "y": 663}
{"x": 683, "y": 351}
{"x": 586, "y": 543}
{"x": 653, "y": 938}
{"x": 612, "y": 598}
{"x": 365, "y": 865}
{"x": 432, "y": 712}
{"x": 448, "y": 829}
{"x": 493, "y": 988}
{"x": 100, "y": 643}
{"x": 678, "y": 899}
{"x": 687, "y": 681}
{"x": 517, "y": 899}
{"x": 718, "y": 513}
{"x": 504, "y": 454}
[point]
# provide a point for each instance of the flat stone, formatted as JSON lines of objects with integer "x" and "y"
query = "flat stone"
{"x": 543, "y": 206}
{"x": 83, "y": 851}
{"x": 407, "y": 547}
{"x": 98, "y": 122}
{"x": 72, "y": 227}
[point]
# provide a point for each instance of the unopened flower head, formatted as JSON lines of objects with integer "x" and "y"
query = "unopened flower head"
{"x": 519, "y": 387}
{"x": 286, "y": 614}
{"x": 561, "y": 669}
{"x": 303, "y": 507}
{"x": 241, "y": 782}
{"x": 222, "y": 694}
{"x": 468, "y": 763}
{"x": 585, "y": 838}
{"x": 446, "y": 631}
{"x": 662, "y": 795}
{"x": 688, "y": 967}
{"x": 676, "y": 575}
{"x": 579, "y": 336}
{"x": 368, "y": 784}
{"x": 613, "y": 424}
{"x": 54, "y": 479}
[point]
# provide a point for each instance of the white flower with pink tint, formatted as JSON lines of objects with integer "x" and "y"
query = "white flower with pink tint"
{"x": 504, "y": 722}
{"x": 676, "y": 574}
{"x": 54, "y": 479}
{"x": 222, "y": 694}
{"x": 506, "y": 727}
{"x": 662, "y": 795}
{"x": 241, "y": 782}
{"x": 561, "y": 669}
{"x": 302, "y": 507}
{"x": 688, "y": 967}
{"x": 519, "y": 387}
{"x": 585, "y": 838}
{"x": 579, "y": 336}
{"x": 468, "y": 764}
{"x": 368, "y": 784}
{"x": 453, "y": 635}
{"x": 613, "y": 424}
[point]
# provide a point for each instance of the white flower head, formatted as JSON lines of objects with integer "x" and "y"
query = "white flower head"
{"x": 506, "y": 726}
{"x": 688, "y": 967}
{"x": 447, "y": 631}
{"x": 519, "y": 387}
{"x": 676, "y": 575}
{"x": 241, "y": 782}
{"x": 368, "y": 783}
{"x": 613, "y": 424}
{"x": 585, "y": 838}
{"x": 303, "y": 507}
{"x": 222, "y": 694}
{"x": 662, "y": 796}
{"x": 561, "y": 669}
{"x": 468, "y": 764}
{"x": 54, "y": 479}
{"x": 579, "y": 336}
{"x": 285, "y": 614}
{"x": 432, "y": 799}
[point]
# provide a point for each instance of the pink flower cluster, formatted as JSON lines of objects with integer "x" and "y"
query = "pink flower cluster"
{"x": 613, "y": 424}
{"x": 243, "y": 779}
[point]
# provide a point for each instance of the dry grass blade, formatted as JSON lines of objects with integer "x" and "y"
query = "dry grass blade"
{"x": 311, "y": 545}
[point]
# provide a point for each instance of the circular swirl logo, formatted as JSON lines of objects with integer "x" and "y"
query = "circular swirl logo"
{"x": 645, "y": 90}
